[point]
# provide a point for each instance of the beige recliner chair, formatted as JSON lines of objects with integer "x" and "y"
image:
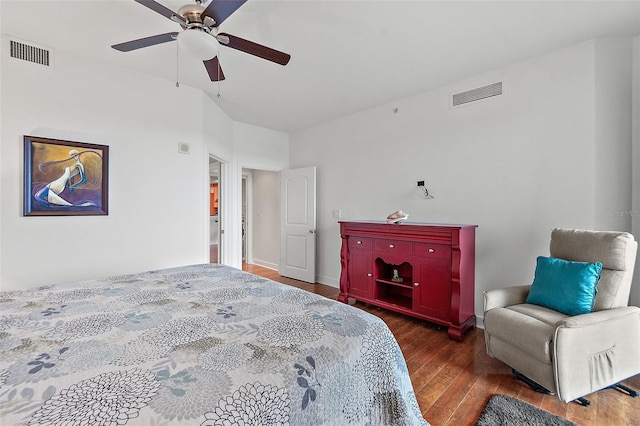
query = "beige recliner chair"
{"x": 571, "y": 356}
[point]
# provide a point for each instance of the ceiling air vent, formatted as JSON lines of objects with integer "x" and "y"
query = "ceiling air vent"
{"x": 473, "y": 95}
{"x": 30, "y": 53}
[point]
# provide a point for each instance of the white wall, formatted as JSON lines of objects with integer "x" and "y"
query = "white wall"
{"x": 265, "y": 215}
{"x": 613, "y": 128}
{"x": 265, "y": 150}
{"x": 155, "y": 193}
{"x": 635, "y": 207}
{"x": 158, "y": 204}
{"x": 259, "y": 148}
{"x": 253, "y": 148}
{"x": 2, "y": 60}
{"x": 516, "y": 165}
{"x": 217, "y": 130}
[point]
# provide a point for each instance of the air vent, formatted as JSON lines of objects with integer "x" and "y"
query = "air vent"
{"x": 184, "y": 148}
{"x": 30, "y": 53}
{"x": 473, "y": 95}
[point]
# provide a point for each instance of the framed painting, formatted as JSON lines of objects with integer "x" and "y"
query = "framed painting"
{"x": 65, "y": 178}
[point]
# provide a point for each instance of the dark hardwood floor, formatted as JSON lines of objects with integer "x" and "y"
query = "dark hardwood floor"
{"x": 453, "y": 381}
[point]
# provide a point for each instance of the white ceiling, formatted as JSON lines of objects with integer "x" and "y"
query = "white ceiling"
{"x": 346, "y": 56}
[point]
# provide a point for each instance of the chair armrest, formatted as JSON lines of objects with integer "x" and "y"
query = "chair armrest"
{"x": 503, "y": 297}
{"x": 595, "y": 350}
{"x": 599, "y": 318}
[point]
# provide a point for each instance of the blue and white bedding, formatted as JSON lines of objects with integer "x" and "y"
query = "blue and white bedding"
{"x": 196, "y": 345}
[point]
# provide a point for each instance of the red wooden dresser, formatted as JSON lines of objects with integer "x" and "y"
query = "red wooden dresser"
{"x": 424, "y": 270}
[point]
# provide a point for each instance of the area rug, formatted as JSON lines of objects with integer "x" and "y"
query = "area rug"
{"x": 503, "y": 410}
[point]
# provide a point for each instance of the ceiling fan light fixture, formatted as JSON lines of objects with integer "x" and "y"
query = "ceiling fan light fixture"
{"x": 198, "y": 43}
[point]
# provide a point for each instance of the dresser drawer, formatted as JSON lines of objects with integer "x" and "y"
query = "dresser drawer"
{"x": 392, "y": 246}
{"x": 360, "y": 243}
{"x": 438, "y": 251}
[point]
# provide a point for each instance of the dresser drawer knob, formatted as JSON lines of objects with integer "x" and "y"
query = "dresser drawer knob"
{"x": 369, "y": 275}
{"x": 391, "y": 246}
{"x": 358, "y": 242}
{"x": 416, "y": 284}
{"x": 431, "y": 250}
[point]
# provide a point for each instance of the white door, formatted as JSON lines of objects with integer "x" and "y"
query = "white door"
{"x": 298, "y": 224}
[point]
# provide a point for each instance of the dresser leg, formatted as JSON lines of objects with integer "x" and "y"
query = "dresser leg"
{"x": 456, "y": 331}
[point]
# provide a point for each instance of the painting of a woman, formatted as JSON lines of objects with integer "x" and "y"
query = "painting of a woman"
{"x": 51, "y": 193}
{"x": 66, "y": 178}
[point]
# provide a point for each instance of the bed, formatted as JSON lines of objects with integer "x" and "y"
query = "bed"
{"x": 196, "y": 345}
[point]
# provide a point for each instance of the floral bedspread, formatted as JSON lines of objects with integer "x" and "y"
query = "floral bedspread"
{"x": 196, "y": 345}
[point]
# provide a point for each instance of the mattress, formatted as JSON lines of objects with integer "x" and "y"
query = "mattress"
{"x": 196, "y": 345}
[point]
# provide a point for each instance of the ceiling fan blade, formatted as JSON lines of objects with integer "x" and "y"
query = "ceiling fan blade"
{"x": 157, "y": 7}
{"x": 255, "y": 49}
{"x": 219, "y": 10}
{"x": 214, "y": 69}
{"x": 144, "y": 42}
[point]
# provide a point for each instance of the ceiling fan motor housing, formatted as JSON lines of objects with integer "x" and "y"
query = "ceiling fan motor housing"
{"x": 192, "y": 13}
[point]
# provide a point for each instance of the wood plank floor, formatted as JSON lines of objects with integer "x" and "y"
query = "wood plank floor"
{"x": 453, "y": 381}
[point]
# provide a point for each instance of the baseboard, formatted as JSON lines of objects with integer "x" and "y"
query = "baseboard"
{"x": 265, "y": 264}
{"x": 480, "y": 322}
{"x": 331, "y": 282}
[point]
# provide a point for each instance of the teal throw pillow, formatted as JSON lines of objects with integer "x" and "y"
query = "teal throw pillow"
{"x": 565, "y": 286}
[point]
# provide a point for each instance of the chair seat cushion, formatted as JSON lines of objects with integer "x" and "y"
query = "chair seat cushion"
{"x": 529, "y": 328}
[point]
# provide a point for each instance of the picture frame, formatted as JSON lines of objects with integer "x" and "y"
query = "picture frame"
{"x": 65, "y": 178}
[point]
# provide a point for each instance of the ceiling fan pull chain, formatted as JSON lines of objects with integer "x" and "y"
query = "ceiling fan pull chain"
{"x": 177, "y": 63}
{"x": 218, "y": 70}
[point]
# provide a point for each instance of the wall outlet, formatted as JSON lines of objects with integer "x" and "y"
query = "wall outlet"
{"x": 420, "y": 183}
{"x": 337, "y": 214}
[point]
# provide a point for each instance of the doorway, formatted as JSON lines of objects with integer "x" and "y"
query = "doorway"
{"x": 215, "y": 199}
{"x": 261, "y": 217}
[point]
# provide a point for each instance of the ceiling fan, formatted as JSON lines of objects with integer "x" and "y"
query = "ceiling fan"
{"x": 200, "y": 24}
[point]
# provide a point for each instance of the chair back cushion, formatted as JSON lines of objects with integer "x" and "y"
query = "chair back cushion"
{"x": 615, "y": 250}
